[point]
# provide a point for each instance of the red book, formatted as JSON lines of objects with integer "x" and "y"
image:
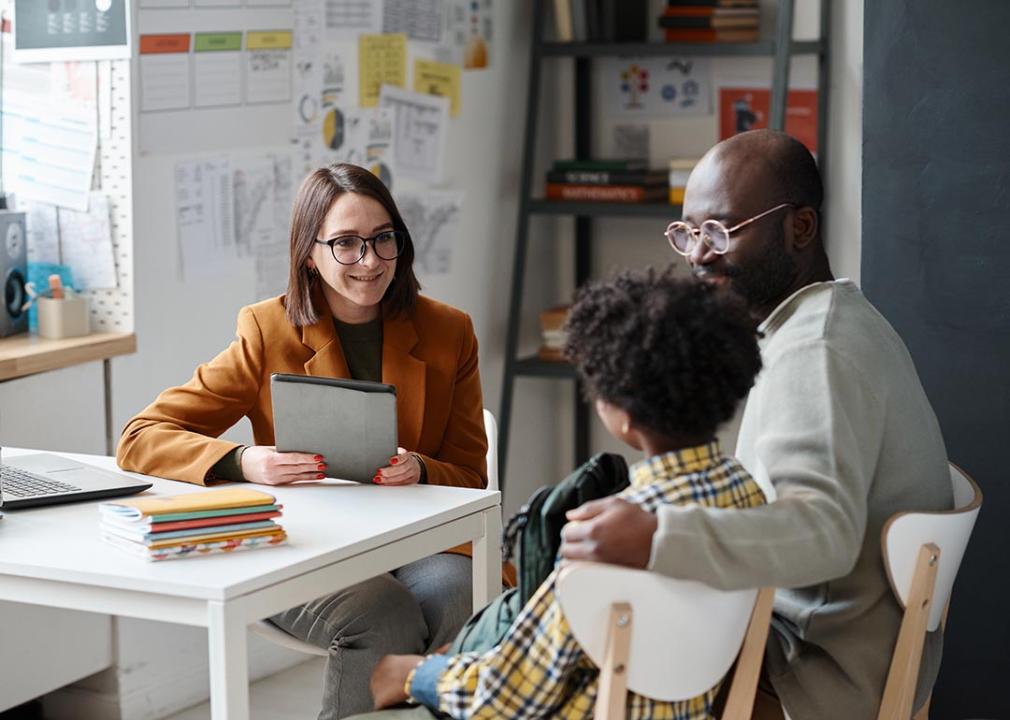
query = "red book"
{"x": 709, "y": 36}
{"x": 211, "y": 521}
{"x": 606, "y": 193}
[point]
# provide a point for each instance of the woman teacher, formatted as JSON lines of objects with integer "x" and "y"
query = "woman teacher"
{"x": 352, "y": 310}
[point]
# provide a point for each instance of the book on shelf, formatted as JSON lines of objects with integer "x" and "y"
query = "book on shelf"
{"x": 552, "y": 334}
{"x": 196, "y": 523}
{"x": 712, "y": 36}
{"x": 603, "y": 164}
{"x": 608, "y": 177}
{"x": 713, "y": 3}
{"x": 606, "y": 193}
{"x": 673, "y": 21}
{"x": 563, "y": 20}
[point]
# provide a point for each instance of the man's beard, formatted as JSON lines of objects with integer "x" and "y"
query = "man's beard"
{"x": 766, "y": 283}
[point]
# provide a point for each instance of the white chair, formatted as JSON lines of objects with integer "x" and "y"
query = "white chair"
{"x": 267, "y": 630}
{"x": 922, "y": 554}
{"x": 662, "y": 638}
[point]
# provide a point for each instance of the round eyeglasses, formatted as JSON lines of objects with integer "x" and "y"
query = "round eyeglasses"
{"x": 684, "y": 238}
{"x": 350, "y": 249}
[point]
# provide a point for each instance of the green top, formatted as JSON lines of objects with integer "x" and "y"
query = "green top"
{"x": 362, "y": 346}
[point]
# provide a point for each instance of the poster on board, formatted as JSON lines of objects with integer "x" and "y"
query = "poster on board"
{"x": 84, "y": 30}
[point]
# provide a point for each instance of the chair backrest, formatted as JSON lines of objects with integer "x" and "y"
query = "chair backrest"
{"x": 491, "y": 430}
{"x": 684, "y": 635}
{"x": 949, "y": 530}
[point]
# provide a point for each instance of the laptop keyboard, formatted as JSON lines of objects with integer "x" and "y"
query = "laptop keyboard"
{"x": 17, "y": 483}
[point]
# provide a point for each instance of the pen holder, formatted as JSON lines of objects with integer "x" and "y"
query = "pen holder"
{"x": 63, "y": 318}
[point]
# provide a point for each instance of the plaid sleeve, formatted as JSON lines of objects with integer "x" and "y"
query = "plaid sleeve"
{"x": 530, "y": 674}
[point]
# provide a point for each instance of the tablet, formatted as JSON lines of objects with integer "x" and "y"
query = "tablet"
{"x": 351, "y": 423}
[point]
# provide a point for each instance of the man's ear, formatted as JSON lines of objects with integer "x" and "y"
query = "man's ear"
{"x": 805, "y": 227}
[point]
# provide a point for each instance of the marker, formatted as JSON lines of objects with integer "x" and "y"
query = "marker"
{"x": 55, "y": 287}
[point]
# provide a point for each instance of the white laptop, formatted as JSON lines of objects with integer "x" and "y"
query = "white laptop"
{"x": 46, "y": 479}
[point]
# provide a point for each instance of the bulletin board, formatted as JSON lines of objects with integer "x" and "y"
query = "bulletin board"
{"x": 79, "y": 215}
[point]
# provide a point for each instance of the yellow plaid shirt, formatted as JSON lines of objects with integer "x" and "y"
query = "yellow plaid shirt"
{"x": 539, "y": 670}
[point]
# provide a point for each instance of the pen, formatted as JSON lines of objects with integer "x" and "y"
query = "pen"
{"x": 55, "y": 287}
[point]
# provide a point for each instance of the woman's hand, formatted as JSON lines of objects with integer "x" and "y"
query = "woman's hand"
{"x": 262, "y": 464}
{"x": 404, "y": 469}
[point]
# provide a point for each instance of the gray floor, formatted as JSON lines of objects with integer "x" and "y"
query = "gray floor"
{"x": 288, "y": 695}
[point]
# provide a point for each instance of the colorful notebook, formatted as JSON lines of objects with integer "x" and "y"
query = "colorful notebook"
{"x": 223, "y": 499}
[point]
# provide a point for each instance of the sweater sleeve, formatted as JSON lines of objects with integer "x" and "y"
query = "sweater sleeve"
{"x": 819, "y": 431}
{"x": 176, "y": 436}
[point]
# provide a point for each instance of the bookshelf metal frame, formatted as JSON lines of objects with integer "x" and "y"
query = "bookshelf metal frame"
{"x": 781, "y": 48}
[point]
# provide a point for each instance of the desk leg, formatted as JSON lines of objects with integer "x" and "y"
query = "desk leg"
{"x": 229, "y": 663}
{"x": 487, "y": 560}
{"x": 110, "y": 439}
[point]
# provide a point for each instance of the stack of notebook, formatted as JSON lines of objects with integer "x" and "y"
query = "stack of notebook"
{"x": 198, "y": 523}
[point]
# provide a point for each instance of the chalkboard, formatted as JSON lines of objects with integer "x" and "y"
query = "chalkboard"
{"x": 935, "y": 261}
{"x": 46, "y": 30}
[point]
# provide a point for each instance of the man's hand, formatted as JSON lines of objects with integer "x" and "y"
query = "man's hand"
{"x": 609, "y": 531}
{"x": 389, "y": 678}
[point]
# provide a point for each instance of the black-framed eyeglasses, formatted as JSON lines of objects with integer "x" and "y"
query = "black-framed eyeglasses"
{"x": 350, "y": 249}
{"x": 684, "y": 239}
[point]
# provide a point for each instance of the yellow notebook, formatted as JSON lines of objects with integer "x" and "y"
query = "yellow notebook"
{"x": 234, "y": 497}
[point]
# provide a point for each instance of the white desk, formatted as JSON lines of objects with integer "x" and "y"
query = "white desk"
{"x": 338, "y": 535}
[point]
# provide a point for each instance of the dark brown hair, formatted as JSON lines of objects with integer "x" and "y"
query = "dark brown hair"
{"x": 315, "y": 198}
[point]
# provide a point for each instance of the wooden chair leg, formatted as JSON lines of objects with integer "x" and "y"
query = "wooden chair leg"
{"x": 740, "y": 702}
{"x": 613, "y": 691}
{"x": 899, "y": 692}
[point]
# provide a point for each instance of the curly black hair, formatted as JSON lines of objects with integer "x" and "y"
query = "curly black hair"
{"x": 675, "y": 354}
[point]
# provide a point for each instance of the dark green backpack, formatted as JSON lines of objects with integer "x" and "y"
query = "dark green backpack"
{"x": 535, "y": 534}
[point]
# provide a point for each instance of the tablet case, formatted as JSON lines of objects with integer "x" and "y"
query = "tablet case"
{"x": 351, "y": 423}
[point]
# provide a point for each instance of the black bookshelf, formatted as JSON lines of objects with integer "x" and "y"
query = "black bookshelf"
{"x": 778, "y": 46}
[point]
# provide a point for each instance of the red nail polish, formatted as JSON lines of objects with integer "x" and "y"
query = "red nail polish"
{"x": 377, "y": 479}
{"x": 318, "y": 458}
{"x": 320, "y": 476}
{"x": 393, "y": 461}
{"x": 321, "y": 467}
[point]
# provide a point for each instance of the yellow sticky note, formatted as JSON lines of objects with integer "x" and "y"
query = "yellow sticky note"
{"x": 382, "y": 60}
{"x": 442, "y": 79}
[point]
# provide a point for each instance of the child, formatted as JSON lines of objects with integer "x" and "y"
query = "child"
{"x": 665, "y": 361}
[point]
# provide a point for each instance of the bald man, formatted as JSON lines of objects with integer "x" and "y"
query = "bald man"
{"x": 837, "y": 424}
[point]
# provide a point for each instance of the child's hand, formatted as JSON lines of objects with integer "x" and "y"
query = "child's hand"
{"x": 609, "y": 531}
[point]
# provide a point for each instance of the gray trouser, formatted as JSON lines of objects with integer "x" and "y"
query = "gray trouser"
{"x": 409, "y": 611}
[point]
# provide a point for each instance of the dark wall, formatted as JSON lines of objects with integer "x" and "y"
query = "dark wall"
{"x": 936, "y": 261}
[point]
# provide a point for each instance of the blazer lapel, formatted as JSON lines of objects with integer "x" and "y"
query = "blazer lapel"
{"x": 321, "y": 338}
{"x": 407, "y": 373}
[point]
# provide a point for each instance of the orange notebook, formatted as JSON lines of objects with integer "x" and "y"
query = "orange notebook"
{"x": 235, "y": 497}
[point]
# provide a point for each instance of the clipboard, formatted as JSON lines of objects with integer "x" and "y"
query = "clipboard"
{"x": 351, "y": 423}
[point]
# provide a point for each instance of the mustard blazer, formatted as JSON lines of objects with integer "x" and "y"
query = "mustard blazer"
{"x": 430, "y": 357}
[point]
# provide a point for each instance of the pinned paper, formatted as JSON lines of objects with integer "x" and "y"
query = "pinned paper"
{"x": 439, "y": 79}
{"x": 86, "y": 244}
{"x": 382, "y": 60}
{"x": 419, "y": 130}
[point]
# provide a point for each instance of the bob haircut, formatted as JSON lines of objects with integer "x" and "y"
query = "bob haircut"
{"x": 315, "y": 198}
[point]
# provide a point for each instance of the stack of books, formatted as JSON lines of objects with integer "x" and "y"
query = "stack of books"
{"x": 198, "y": 523}
{"x": 618, "y": 180}
{"x": 552, "y": 334}
{"x": 710, "y": 21}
